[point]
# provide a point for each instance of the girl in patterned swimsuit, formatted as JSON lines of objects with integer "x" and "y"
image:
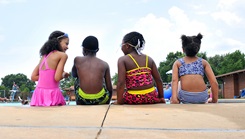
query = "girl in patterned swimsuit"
{"x": 190, "y": 70}
{"x": 50, "y": 71}
{"x": 137, "y": 71}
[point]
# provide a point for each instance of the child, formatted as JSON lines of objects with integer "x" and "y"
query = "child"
{"x": 190, "y": 70}
{"x": 4, "y": 99}
{"x": 50, "y": 71}
{"x": 137, "y": 71}
{"x": 93, "y": 85}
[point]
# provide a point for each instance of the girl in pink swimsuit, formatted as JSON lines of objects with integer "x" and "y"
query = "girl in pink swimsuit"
{"x": 138, "y": 72}
{"x": 50, "y": 71}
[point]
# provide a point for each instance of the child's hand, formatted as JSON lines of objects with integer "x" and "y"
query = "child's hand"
{"x": 174, "y": 101}
{"x": 162, "y": 100}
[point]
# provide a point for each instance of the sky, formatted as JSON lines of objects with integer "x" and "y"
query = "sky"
{"x": 26, "y": 24}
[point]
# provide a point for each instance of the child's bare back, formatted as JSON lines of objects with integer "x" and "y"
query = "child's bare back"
{"x": 91, "y": 72}
{"x": 93, "y": 75}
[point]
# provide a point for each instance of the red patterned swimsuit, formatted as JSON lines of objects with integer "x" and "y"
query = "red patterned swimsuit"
{"x": 140, "y": 76}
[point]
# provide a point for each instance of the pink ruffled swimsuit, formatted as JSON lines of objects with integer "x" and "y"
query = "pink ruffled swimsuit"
{"x": 47, "y": 92}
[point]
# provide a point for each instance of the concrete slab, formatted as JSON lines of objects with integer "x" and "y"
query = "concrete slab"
{"x": 208, "y": 116}
{"x": 167, "y": 134}
{"x": 69, "y": 116}
{"x": 47, "y": 133}
{"x": 175, "y": 121}
{"x": 51, "y": 122}
{"x": 224, "y": 120}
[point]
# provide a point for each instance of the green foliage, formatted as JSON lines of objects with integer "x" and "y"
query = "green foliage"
{"x": 115, "y": 79}
{"x": 2, "y": 87}
{"x": 67, "y": 82}
{"x": 232, "y": 62}
{"x": 167, "y": 65}
{"x": 19, "y": 79}
{"x": 3, "y": 91}
{"x": 215, "y": 63}
{"x": 25, "y": 93}
{"x": 203, "y": 55}
{"x": 227, "y": 63}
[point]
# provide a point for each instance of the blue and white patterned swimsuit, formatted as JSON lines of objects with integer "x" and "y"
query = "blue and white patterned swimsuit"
{"x": 195, "y": 67}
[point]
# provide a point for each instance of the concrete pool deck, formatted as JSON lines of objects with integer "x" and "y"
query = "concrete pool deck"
{"x": 158, "y": 121}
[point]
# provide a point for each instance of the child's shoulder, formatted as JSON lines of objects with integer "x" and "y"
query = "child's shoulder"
{"x": 78, "y": 57}
{"x": 204, "y": 62}
{"x": 102, "y": 61}
{"x": 122, "y": 58}
{"x": 56, "y": 52}
{"x": 60, "y": 53}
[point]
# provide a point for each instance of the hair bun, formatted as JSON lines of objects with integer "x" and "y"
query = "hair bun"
{"x": 184, "y": 37}
{"x": 199, "y": 36}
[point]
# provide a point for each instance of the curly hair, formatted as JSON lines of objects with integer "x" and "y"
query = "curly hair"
{"x": 191, "y": 44}
{"x": 53, "y": 43}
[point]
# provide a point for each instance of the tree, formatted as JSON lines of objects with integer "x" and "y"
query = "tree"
{"x": 167, "y": 65}
{"x": 19, "y": 79}
{"x": 215, "y": 63}
{"x": 25, "y": 92}
{"x": 114, "y": 79}
{"x": 67, "y": 82}
{"x": 232, "y": 62}
{"x": 2, "y": 87}
{"x": 3, "y": 91}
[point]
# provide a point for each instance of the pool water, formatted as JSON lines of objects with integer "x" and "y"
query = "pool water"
{"x": 10, "y": 104}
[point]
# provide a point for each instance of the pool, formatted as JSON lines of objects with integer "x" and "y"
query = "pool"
{"x": 11, "y": 104}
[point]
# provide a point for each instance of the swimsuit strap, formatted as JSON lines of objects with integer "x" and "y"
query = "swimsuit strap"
{"x": 146, "y": 61}
{"x": 50, "y": 53}
{"x": 182, "y": 61}
{"x": 133, "y": 60}
{"x": 45, "y": 61}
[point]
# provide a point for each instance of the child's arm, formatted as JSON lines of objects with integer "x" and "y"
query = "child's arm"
{"x": 175, "y": 80}
{"x": 108, "y": 80}
{"x": 158, "y": 81}
{"x": 121, "y": 81}
{"x": 60, "y": 67}
{"x": 35, "y": 73}
{"x": 212, "y": 79}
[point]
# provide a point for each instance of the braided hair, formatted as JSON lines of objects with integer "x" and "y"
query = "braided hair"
{"x": 191, "y": 44}
{"x": 135, "y": 40}
{"x": 53, "y": 43}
